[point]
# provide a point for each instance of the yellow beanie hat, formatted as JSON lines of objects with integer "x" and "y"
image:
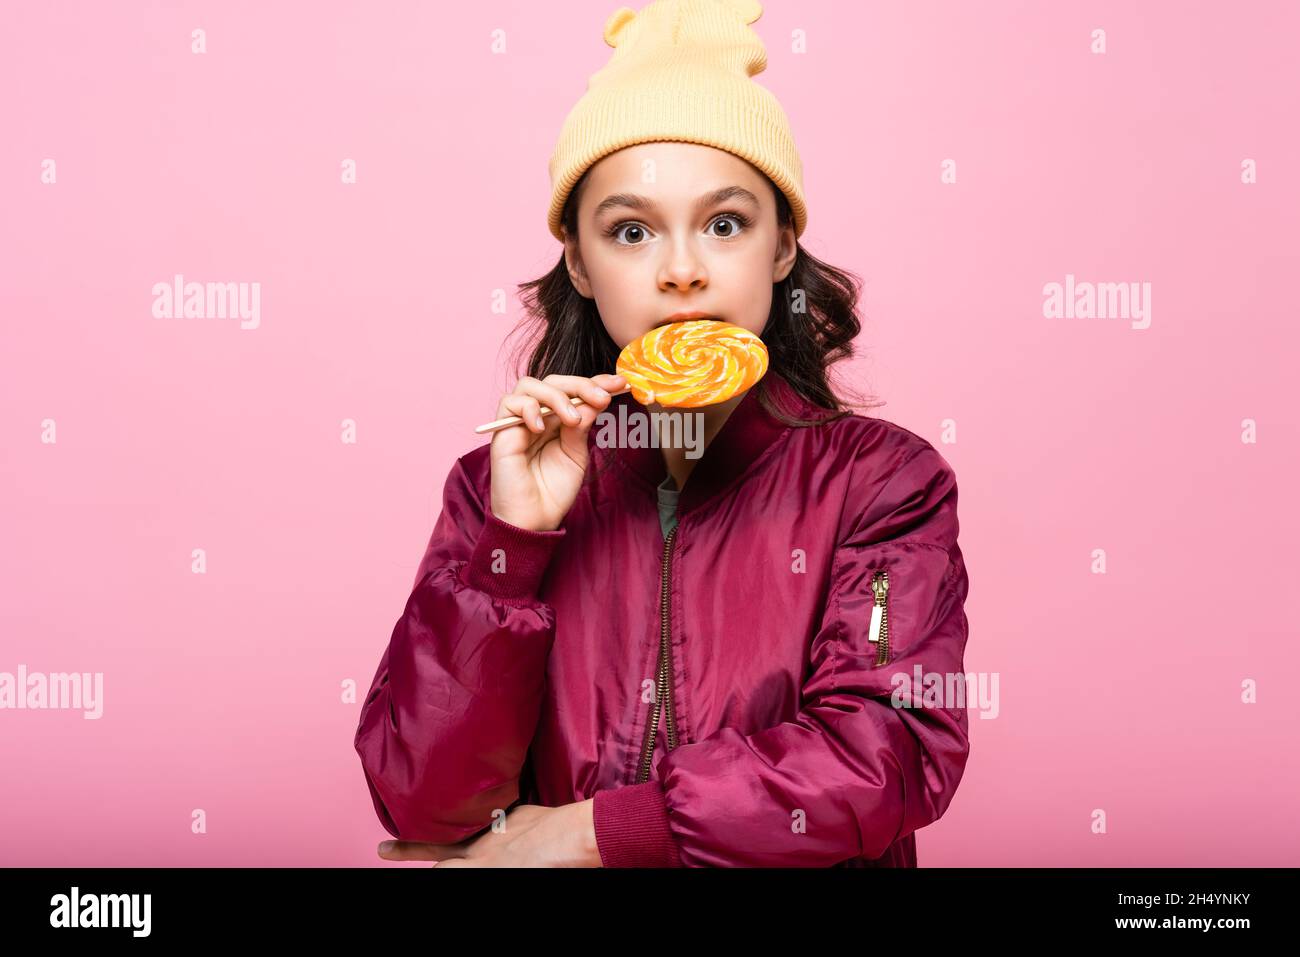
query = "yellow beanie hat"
{"x": 680, "y": 71}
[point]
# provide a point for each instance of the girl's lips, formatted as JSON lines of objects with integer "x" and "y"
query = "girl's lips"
{"x": 684, "y": 317}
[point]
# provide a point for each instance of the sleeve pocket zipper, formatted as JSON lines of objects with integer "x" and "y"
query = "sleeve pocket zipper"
{"x": 879, "y": 633}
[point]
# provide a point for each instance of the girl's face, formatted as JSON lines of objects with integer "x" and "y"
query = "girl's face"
{"x": 667, "y": 228}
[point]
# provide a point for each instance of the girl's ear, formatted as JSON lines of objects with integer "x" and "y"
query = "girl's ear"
{"x": 573, "y": 262}
{"x": 787, "y": 250}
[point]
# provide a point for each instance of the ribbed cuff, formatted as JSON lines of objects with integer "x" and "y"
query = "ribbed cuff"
{"x": 526, "y": 555}
{"x": 632, "y": 827}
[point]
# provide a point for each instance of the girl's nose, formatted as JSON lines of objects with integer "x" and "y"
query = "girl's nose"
{"x": 683, "y": 270}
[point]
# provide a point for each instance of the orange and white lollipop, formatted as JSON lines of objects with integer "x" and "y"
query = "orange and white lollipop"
{"x": 692, "y": 363}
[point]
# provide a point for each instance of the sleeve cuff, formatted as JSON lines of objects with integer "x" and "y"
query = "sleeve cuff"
{"x": 526, "y": 555}
{"x": 632, "y": 829}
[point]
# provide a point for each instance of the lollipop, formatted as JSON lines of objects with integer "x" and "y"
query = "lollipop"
{"x": 692, "y": 363}
{"x": 688, "y": 364}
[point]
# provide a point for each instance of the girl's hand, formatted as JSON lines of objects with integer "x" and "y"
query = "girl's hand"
{"x": 538, "y": 465}
{"x": 532, "y": 836}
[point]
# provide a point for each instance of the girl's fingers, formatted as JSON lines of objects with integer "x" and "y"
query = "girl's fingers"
{"x": 556, "y": 393}
{"x": 595, "y": 391}
{"x": 412, "y": 851}
{"x": 526, "y": 407}
{"x": 556, "y": 399}
{"x": 610, "y": 382}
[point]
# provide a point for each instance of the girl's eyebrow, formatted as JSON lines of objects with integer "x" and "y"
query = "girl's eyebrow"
{"x": 633, "y": 201}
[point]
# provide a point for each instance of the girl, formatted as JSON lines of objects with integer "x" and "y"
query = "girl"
{"x": 626, "y": 655}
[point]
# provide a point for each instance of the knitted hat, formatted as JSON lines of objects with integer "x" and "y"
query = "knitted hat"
{"x": 680, "y": 71}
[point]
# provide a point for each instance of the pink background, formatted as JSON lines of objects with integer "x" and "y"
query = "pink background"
{"x": 223, "y": 691}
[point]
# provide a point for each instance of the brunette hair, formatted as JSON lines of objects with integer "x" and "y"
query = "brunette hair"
{"x": 812, "y": 325}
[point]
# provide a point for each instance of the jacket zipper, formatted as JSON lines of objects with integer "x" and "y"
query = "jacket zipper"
{"x": 663, "y": 701}
{"x": 879, "y": 632}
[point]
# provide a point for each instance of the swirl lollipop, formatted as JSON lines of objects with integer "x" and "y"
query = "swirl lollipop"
{"x": 688, "y": 364}
{"x": 692, "y": 363}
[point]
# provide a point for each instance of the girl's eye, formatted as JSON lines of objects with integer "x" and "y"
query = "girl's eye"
{"x": 743, "y": 222}
{"x": 635, "y": 229}
{"x": 635, "y": 233}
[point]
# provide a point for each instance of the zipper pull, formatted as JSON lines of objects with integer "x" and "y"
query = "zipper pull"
{"x": 879, "y": 587}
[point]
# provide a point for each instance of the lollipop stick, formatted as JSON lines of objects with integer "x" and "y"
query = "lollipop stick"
{"x": 546, "y": 410}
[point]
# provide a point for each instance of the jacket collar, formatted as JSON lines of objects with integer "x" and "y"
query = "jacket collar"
{"x": 744, "y": 436}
